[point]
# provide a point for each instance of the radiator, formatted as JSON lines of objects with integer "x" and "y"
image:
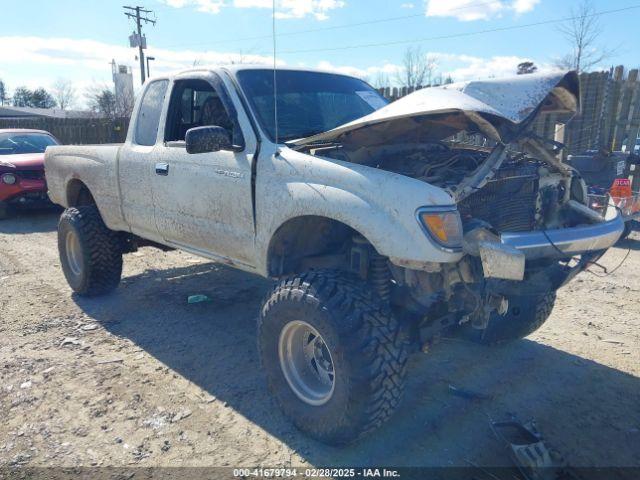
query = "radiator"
{"x": 508, "y": 201}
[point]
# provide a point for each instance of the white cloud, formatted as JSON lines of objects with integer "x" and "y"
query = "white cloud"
{"x": 467, "y": 67}
{"x": 524, "y": 6}
{"x": 301, "y": 8}
{"x": 364, "y": 73}
{"x": 470, "y": 10}
{"x": 94, "y": 55}
{"x": 206, "y": 6}
{"x": 459, "y": 66}
{"x": 87, "y": 62}
{"x": 407, "y": 5}
{"x": 252, "y": 3}
{"x": 318, "y": 9}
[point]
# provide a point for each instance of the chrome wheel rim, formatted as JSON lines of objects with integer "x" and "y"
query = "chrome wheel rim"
{"x": 306, "y": 363}
{"x": 74, "y": 254}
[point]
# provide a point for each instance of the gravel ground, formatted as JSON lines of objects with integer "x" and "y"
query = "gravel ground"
{"x": 141, "y": 378}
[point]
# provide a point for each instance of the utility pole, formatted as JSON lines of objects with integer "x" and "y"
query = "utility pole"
{"x": 139, "y": 16}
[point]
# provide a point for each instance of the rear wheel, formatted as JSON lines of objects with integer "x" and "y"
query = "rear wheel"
{"x": 90, "y": 253}
{"x": 334, "y": 357}
{"x": 525, "y": 314}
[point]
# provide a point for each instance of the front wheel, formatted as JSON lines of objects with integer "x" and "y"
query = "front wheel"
{"x": 335, "y": 358}
{"x": 90, "y": 253}
{"x": 525, "y": 314}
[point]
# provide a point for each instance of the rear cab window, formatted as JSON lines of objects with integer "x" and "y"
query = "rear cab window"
{"x": 148, "y": 119}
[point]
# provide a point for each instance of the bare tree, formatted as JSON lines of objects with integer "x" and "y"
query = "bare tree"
{"x": 3, "y": 93}
{"x": 417, "y": 68}
{"x": 582, "y": 32}
{"x": 64, "y": 93}
{"x": 380, "y": 80}
{"x": 101, "y": 101}
{"x": 104, "y": 103}
{"x": 125, "y": 102}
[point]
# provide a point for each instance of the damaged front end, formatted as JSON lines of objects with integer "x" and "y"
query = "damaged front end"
{"x": 526, "y": 225}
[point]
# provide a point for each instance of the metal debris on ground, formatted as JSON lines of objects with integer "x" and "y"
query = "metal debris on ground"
{"x": 534, "y": 459}
{"x": 468, "y": 394}
{"x": 180, "y": 415}
{"x": 198, "y": 299}
{"x": 113, "y": 360}
{"x": 70, "y": 341}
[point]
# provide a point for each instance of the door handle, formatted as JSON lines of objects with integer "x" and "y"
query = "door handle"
{"x": 162, "y": 169}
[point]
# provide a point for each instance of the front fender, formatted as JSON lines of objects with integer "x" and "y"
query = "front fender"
{"x": 380, "y": 205}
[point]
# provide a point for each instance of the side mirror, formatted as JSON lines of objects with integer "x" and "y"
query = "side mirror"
{"x": 207, "y": 139}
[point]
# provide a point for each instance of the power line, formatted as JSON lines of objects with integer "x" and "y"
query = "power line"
{"x": 457, "y": 35}
{"x": 141, "y": 41}
{"x": 334, "y": 27}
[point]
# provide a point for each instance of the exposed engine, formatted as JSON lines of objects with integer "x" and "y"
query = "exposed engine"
{"x": 524, "y": 193}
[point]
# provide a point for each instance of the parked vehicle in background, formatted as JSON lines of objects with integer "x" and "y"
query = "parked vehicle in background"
{"x": 22, "y": 181}
{"x": 613, "y": 178}
{"x": 382, "y": 228}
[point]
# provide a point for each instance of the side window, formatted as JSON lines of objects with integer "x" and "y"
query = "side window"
{"x": 194, "y": 103}
{"x": 149, "y": 114}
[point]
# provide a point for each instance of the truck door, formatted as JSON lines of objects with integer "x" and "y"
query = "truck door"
{"x": 136, "y": 162}
{"x": 203, "y": 202}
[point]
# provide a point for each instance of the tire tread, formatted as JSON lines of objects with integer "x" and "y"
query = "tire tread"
{"x": 102, "y": 249}
{"x": 368, "y": 326}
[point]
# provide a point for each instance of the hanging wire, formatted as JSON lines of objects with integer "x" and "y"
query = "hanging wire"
{"x": 275, "y": 82}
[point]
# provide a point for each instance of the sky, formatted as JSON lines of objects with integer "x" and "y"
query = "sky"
{"x": 45, "y": 40}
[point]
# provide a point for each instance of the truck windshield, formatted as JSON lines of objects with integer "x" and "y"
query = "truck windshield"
{"x": 308, "y": 102}
{"x": 18, "y": 143}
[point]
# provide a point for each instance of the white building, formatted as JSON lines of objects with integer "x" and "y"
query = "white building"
{"x": 123, "y": 81}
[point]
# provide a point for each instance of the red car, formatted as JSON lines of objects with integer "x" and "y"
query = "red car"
{"x": 22, "y": 182}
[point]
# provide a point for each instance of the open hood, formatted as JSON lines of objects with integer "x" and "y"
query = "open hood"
{"x": 497, "y": 108}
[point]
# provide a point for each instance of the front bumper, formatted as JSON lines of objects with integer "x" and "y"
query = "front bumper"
{"x": 566, "y": 242}
{"x": 26, "y": 191}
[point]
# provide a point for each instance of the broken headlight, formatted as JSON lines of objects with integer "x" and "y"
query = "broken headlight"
{"x": 443, "y": 225}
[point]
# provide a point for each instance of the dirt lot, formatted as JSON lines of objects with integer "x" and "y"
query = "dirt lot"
{"x": 143, "y": 378}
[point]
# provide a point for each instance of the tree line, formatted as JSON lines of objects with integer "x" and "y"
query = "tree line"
{"x": 99, "y": 99}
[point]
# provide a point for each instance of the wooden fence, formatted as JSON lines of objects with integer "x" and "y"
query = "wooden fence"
{"x": 609, "y": 117}
{"x": 79, "y": 131}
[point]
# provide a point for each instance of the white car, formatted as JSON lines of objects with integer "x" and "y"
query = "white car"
{"x": 381, "y": 225}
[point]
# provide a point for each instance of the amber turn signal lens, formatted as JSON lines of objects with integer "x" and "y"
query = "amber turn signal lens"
{"x": 435, "y": 224}
{"x": 444, "y": 227}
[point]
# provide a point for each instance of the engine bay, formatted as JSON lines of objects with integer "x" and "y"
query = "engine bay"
{"x": 523, "y": 193}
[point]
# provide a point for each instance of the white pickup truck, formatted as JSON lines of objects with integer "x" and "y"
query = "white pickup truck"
{"x": 382, "y": 223}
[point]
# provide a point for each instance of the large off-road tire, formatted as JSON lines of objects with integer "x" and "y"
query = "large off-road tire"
{"x": 334, "y": 356}
{"x": 90, "y": 253}
{"x": 526, "y": 313}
